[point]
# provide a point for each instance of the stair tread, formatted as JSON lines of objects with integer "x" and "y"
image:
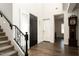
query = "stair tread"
{"x": 2, "y": 33}
{"x": 5, "y": 47}
{"x": 9, "y": 53}
{"x": 1, "y": 29}
{"x": 6, "y": 41}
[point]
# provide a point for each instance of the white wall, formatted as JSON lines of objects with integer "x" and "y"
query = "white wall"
{"x": 49, "y": 10}
{"x": 66, "y": 27}
{"x": 42, "y": 11}
{"x": 35, "y": 9}
{"x": 6, "y": 8}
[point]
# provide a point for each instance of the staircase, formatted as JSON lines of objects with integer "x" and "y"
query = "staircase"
{"x": 6, "y": 48}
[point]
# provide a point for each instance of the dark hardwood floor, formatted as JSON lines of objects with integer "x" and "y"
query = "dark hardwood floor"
{"x": 53, "y": 49}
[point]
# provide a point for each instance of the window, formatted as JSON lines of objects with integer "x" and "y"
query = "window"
{"x": 62, "y": 28}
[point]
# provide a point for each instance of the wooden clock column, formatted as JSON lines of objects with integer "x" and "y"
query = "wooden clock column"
{"x": 72, "y": 31}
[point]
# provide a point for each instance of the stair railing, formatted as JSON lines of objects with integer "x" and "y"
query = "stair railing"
{"x": 20, "y": 37}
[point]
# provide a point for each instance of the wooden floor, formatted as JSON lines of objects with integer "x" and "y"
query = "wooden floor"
{"x": 49, "y": 49}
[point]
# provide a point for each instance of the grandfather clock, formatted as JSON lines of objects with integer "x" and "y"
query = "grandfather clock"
{"x": 72, "y": 31}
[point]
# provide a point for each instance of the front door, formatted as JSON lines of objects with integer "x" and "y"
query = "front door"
{"x": 46, "y": 30}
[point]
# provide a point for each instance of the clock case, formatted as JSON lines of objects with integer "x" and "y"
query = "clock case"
{"x": 72, "y": 31}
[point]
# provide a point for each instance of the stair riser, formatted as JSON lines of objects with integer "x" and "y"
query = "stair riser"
{"x": 1, "y": 30}
{"x": 2, "y": 34}
{"x": 5, "y": 44}
{"x": 4, "y": 38}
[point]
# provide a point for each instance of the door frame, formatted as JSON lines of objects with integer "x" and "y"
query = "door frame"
{"x": 54, "y": 25}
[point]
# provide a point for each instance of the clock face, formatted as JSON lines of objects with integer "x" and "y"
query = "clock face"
{"x": 72, "y": 22}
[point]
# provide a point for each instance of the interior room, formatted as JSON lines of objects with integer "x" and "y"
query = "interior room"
{"x": 39, "y": 29}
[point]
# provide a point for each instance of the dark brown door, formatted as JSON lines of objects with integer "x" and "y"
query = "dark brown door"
{"x": 33, "y": 30}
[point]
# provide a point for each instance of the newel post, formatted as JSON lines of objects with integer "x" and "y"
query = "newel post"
{"x": 26, "y": 38}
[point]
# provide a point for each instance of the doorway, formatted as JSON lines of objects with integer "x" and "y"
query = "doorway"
{"x": 33, "y": 30}
{"x": 59, "y": 29}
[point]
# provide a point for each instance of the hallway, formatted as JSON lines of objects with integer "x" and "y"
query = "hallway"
{"x": 49, "y": 49}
